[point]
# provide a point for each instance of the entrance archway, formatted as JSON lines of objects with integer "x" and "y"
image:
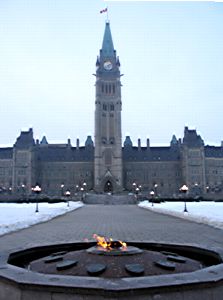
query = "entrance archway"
{"x": 108, "y": 188}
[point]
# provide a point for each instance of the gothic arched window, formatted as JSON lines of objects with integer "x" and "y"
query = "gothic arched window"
{"x": 112, "y": 141}
{"x": 104, "y": 140}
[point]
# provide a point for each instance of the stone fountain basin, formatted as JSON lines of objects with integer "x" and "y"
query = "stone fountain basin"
{"x": 17, "y": 282}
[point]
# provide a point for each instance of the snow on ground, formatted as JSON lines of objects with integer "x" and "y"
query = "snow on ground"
{"x": 210, "y": 213}
{"x": 17, "y": 216}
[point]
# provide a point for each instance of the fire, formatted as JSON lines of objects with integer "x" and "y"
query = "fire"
{"x": 108, "y": 243}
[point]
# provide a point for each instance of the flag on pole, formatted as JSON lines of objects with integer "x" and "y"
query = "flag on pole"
{"x": 103, "y": 10}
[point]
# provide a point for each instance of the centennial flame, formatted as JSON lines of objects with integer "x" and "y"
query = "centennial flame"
{"x": 108, "y": 243}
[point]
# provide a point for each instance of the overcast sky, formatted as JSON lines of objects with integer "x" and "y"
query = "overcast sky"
{"x": 171, "y": 55}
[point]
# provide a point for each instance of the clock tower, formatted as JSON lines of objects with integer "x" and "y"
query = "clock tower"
{"x": 108, "y": 106}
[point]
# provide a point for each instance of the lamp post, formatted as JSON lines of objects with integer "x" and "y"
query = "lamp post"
{"x": 68, "y": 196}
{"x": 23, "y": 191}
{"x": 152, "y": 193}
{"x": 184, "y": 190}
{"x": 85, "y": 189}
{"x": 133, "y": 187}
{"x": 82, "y": 193}
{"x": 76, "y": 191}
{"x": 37, "y": 190}
{"x": 155, "y": 190}
{"x": 61, "y": 189}
{"x": 136, "y": 190}
{"x": 137, "y": 193}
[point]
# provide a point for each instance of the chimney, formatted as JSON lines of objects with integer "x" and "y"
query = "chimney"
{"x": 68, "y": 143}
{"x": 139, "y": 144}
{"x": 148, "y": 143}
{"x": 78, "y": 143}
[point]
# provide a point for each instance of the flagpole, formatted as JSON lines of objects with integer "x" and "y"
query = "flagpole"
{"x": 103, "y": 11}
{"x": 107, "y": 21}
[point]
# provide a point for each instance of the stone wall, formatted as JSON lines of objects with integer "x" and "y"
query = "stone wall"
{"x": 166, "y": 175}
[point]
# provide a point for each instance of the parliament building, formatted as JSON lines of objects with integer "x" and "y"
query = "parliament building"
{"x": 106, "y": 163}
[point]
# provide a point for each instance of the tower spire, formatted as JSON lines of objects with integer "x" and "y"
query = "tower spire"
{"x": 107, "y": 44}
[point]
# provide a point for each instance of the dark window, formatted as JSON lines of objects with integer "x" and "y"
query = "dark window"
{"x": 104, "y": 140}
{"x": 102, "y": 88}
{"x": 113, "y": 87}
{"x": 112, "y": 141}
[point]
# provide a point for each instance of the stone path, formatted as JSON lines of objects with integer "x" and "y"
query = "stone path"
{"x": 125, "y": 222}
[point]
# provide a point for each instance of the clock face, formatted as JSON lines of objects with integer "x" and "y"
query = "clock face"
{"x": 107, "y": 65}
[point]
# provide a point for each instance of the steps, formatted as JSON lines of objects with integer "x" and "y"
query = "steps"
{"x": 107, "y": 199}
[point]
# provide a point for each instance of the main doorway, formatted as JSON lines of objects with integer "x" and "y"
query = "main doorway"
{"x": 108, "y": 188}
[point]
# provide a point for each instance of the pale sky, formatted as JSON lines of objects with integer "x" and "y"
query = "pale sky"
{"x": 171, "y": 55}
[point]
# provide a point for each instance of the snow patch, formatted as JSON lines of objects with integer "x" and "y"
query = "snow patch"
{"x": 210, "y": 213}
{"x": 17, "y": 216}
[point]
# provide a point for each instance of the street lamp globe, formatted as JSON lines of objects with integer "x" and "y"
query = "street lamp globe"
{"x": 67, "y": 193}
{"x": 184, "y": 188}
{"x": 37, "y": 189}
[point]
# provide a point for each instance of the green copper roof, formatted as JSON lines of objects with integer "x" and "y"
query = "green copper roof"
{"x": 107, "y": 45}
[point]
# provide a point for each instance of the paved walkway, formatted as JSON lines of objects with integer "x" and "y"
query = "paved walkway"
{"x": 125, "y": 222}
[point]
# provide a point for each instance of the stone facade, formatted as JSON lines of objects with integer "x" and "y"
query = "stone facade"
{"x": 57, "y": 168}
{"x": 106, "y": 165}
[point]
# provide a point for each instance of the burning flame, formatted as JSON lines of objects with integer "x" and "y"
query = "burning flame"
{"x": 106, "y": 243}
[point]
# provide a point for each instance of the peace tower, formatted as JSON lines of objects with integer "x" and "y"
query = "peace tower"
{"x": 108, "y": 106}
